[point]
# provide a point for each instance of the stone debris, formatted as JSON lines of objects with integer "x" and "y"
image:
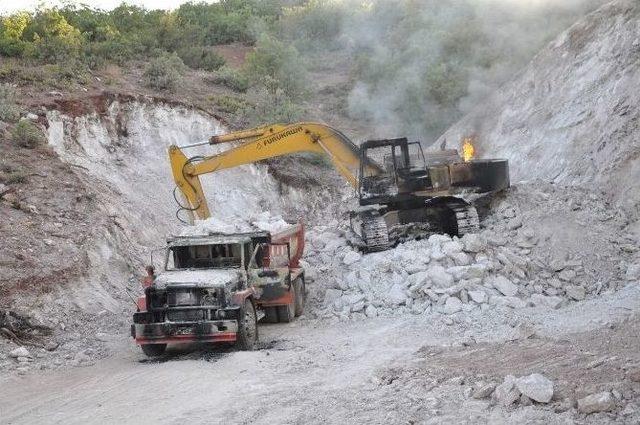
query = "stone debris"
{"x": 20, "y": 352}
{"x": 351, "y": 257}
{"x": 484, "y": 391}
{"x": 575, "y": 292}
{"x": 536, "y": 387}
{"x": 633, "y": 272}
{"x": 452, "y": 305}
{"x": 600, "y": 402}
{"x": 503, "y": 285}
{"x": 500, "y": 267}
{"x": 634, "y": 375}
{"x": 507, "y": 393}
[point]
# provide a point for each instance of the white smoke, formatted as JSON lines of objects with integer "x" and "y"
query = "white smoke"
{"x": 422, "y": 64}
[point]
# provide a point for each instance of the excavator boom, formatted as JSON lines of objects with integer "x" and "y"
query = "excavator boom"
{"x": 402, "y": 195}
{"x": 259, "y": 144}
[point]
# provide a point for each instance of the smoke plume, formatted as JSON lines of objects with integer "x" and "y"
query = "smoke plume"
{"x": 422, "y": 64}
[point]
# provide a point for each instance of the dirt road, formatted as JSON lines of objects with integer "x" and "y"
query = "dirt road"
{"x": 396, "y": 370}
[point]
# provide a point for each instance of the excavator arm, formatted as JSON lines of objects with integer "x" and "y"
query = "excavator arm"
{"x": 259, "y": 144}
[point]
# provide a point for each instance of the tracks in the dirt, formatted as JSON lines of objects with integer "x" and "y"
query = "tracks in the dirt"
{"x": 211, "y": 353}
{"x": 322, "y": 372}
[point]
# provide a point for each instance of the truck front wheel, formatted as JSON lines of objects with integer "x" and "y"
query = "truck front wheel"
{"x": 247, "y": 337}
{"x": 153, "y": 350}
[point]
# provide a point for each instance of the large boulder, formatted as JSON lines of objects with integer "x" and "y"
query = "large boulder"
{"x": 452, "y": 305}
{"x": 20, "y": 352}
{"x": 439, "y": 277}
{"x": 507, "y": 393}
{"x": 397, "y": 295}
{"x": 351, "y": 257}
{"x": 600, "y": 402}
{"x": 503, "y": 285}
{"x": 536, "y": 387}
{"x": 473, "y": 243}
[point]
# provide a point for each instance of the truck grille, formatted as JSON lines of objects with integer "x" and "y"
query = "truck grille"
{"x": 183, "y": 297}
{"x": 185, "y": 316}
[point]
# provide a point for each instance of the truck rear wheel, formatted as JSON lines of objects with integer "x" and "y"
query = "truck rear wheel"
{"x": 300, "y": 296}
{"x": 153, "y": 350}
{"x": 247, "y": 337}
{"x": 286, "y": 313}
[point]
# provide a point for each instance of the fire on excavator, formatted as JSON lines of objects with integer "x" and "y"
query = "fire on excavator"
{"x": 468, "y": 150}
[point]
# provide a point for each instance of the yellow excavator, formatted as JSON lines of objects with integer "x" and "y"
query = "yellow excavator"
{"x": 403, "y": 193}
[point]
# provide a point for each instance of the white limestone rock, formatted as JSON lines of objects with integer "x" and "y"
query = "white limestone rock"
{"x": 504, "y": 285}
{"x": 452, "y": 305}
{"x": 600, "y": 402}
{"x": 536, "y": 386}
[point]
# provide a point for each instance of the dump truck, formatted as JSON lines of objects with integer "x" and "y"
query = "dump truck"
{"x": 403, "y": 192}
{"x": 215, "y": 288}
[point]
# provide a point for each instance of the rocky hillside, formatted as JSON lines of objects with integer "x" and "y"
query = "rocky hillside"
{"x": 572, "y": 115}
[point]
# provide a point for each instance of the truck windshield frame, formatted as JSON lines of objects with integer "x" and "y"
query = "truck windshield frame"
{"x": 205, "y": 256}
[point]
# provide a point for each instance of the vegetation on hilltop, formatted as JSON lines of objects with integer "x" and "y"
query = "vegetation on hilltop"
{"x": 415, "y": 66}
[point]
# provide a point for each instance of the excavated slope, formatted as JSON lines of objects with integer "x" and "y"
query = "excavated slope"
{"x": 572, "y": 116}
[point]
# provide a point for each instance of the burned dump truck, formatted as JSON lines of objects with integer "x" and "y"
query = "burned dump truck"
{"x": 216, "y": 287}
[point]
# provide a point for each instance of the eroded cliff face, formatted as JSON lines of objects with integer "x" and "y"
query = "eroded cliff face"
{"x": 572, "y": 116}
{"x": 101, "y": 206}
{"x": 121, "y": 155}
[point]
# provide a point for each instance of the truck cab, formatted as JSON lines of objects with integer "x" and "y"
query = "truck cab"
{"x": 214, "y": 288}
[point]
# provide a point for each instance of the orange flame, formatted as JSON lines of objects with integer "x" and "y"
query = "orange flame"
{"x": 468, "y": 150}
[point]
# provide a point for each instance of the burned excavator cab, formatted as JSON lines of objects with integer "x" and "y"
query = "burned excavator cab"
{"x": 405, "y": 194}
{"x": 403, "y": 168}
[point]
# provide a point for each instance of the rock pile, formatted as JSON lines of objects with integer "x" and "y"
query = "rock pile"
{"x": 524, "y": 390}
{"x": 442, "y": 274}
{"x": 519, "y": 259}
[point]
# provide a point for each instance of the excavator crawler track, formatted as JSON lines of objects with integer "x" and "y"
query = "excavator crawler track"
{"x": 375, "y": 233}
{"x": 466, "y": 217}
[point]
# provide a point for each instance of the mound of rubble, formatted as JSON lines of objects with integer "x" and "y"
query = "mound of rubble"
{"x": 533, "y": 250}
{"x": 263, "y": 221}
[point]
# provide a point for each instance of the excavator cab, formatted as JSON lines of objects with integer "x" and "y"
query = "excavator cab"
{"x": 403, "y": 166}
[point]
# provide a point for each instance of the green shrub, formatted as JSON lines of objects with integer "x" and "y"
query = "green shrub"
{"x": 227, "y": 21}
{"x": 11, "y": 30}
{"x": 164, "y": 72}
{"x": 52, "y": 39}
{"x": 111, "y": 51}
{"x": 27, "y": 134}
{"x": 264, "y": 106}
{"x": 199, "y": 57}
{"x": 229, "y": 104}
{"x": 9, "y": 111}
{"x": 231, "y": 78}
{"x": 315, "y": 25}
{"x": 11, "y": 48}
{"x": 275, "y": 66}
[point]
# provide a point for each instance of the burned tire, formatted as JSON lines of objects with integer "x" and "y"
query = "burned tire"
{"x": 286, "y": 313}
{"x": 300, "y": 296}
{"x": 247, "y": 337}
{"x": 270, "y": 315}
{"x": 153, "y": 350}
